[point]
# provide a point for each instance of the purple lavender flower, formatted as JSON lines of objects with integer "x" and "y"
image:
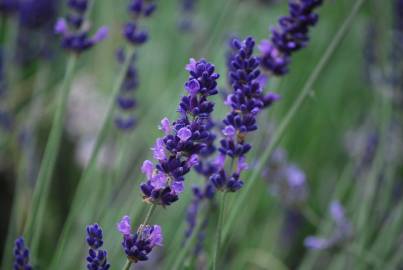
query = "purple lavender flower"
{"x": 342, "y": 232}
{"x": 21, "y": 255}
{"x": 246, "y": 101}
{"x": 126, "y": 102}
{"x": 74, "y": 30}
{"x": 139, "y": 245}
{"x": 97, "y": 257}
{"x": 131, "y": 30}
{"x": 177, "y": 152}
{"x": 291, "y": 35}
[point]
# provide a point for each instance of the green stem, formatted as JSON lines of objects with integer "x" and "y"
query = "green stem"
{"x": 140, "y": 231}
{"x": 15, "y": 223}
{"x": 76, "y": 203}
{"x": 35, "y": 219}
{"x": 219, "y": 230}
{"x": 290, "y": 114}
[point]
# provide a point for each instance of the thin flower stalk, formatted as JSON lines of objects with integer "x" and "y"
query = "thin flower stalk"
{"x": 333, "y": 45}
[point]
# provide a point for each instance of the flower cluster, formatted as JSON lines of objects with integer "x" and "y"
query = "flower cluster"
{"x": 74, "y": 29}
{"x": 246, "y": 101}
{"x": 291, "y": 35}
{"x": 97, "y": 258}
{"x": 178, "y": 151}
{"x": 21, "y": 255}
{"x": 287, "y": 180}
{"x": 126, "y": 101}
{"x": 131, "y": 30}
{"x": 138, "y": 245}
{"x": 342, "y": 232}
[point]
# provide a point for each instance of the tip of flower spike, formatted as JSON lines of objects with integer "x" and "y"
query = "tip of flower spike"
{"x": 124, "y": 225}
{"x": 336, "y": 211}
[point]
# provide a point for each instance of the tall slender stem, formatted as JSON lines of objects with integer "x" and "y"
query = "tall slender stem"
{"x": 35, "y": 220}
{"x": 75, "y": 205}
{"x": 140, "y": 231}
{"x": 291, "y": 113}
{"x": 219, "y": 230}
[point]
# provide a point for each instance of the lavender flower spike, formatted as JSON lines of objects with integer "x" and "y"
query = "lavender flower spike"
{"x": 74, "y": 29}
{"x": 289, "y": 37}
{"x": 246, "y": 101}
{"x": 139, "y": 245}
{"x": 126, "y": 102}
{"x": 185, "y": 139}
{"x": 21, "y": 255}
{"x": 97, "y": 257}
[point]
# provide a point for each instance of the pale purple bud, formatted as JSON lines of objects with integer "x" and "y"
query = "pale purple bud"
{"x": 178, "y": 187}
{"x": 61, "y": 26}
{"x": 229, "y": 131}
{"x": 101, "y": 34}
{"x": 124, "y": 226}
{"x": 158, "y": 150}
{"x": 184, "y": 134}
{"x": 159, "y": 180}
{"x": 147, "y": 168}
{"x": 337, "y": 212}
{"x": 165, "y": 126}
{"x": 156, "y": 238}
{"x": 192, "y": 65}
{"x": 193, "y": 160}
{"x": 192, "y": 86}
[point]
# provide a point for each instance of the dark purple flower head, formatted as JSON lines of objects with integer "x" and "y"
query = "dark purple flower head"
{"x": 74, "y": 30}
{"x": 139, "y": 245}
{"x": 97, "y": 257}
{"x": 21, "y": 255}
{"x": 185, "y": 139}
{"x": 291, "y": 35}
{"x": 246, "y": 101}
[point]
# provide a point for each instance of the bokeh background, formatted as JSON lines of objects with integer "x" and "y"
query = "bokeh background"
{"x": 345, "y": 139}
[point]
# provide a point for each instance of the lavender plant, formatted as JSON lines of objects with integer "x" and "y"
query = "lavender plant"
{"x": 246, "y": 101}
{"x": 136, "y": 37}
{"x": 97, "y": 257}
